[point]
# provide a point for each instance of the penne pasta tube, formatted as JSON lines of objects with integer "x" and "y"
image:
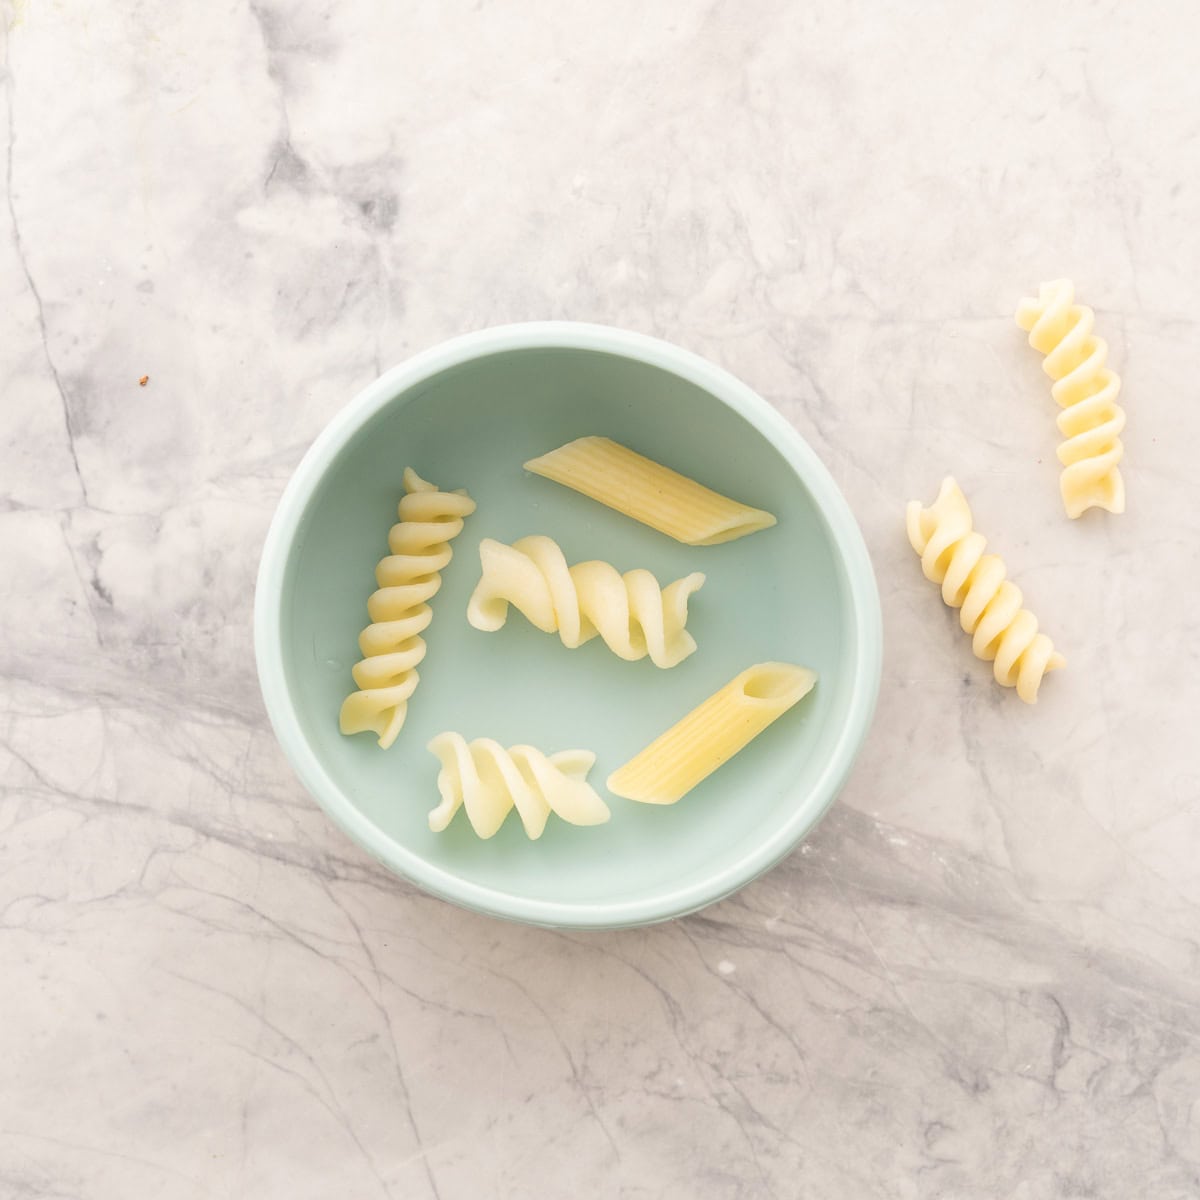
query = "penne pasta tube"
{"x": 647, "y": 491}
{"x": 712, "y": 733}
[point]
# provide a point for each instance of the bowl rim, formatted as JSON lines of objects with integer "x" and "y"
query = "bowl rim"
{"x": 848, "y": 543}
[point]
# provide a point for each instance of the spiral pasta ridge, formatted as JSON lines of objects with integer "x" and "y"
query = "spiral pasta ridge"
{"x": 632, "y": 613}
{"x": 489, "y": 782}
{"x": 1086, "y": 390}
{"x": 408, "y": 578}
{"x": 1003, "y": 632}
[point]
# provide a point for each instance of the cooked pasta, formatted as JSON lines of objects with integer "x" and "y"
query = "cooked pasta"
{"x": 408, "y": 578}
{"x": 649, "y": 492}
{"x": 1002, "y": 631}
{"x": 631, "y": 612}
{"x": 489, "y": 781}
{"x": 1086, "y": 390}
{"x": 712, "y": 734}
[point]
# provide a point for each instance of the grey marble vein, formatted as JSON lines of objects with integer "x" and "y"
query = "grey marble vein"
{"x": 979, "y": 978}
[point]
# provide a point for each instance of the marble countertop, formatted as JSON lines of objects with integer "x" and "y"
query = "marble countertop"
{"x": 979, "y": 978}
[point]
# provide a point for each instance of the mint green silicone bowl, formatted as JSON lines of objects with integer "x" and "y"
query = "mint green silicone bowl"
{"x": 467, "y": 414}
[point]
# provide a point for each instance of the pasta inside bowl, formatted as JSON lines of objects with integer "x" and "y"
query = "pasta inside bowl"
{"x": 772, "y": 683}
{"x": 468, "y": 414}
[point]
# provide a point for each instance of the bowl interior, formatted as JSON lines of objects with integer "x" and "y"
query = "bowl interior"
{"x": 779, "y": 594}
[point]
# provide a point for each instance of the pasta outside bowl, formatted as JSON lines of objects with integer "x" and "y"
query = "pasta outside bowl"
{"x": 467, "y": 414}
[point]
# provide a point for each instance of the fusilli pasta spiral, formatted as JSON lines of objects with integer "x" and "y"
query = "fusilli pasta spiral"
{"x": 1086, "y": 390}
{"x": 408, "y": 578}
{"x": 490, "y": 781}
{"x": 1002, "y": 630}
{"x": 631, "y": 612}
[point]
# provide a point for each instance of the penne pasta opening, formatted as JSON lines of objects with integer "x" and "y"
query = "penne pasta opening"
{"x": 754, "y": 520}
{"x": 777, "y": 682}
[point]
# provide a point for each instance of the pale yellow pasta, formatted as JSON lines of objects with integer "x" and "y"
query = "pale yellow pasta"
{"x": 489, "y": 782}
{"x": 408, "y": 578}
{"x": 649, "y": 492}
{"x": 1002, "y": 630}
{"x": 1086, "y": 390}
{"x": 712, "y": 733}
{"x": 631, "y": 612}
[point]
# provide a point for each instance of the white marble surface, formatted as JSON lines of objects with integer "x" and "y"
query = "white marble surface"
{"x": 980, "y": 978}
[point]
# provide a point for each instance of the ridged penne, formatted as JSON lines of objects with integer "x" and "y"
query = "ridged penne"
{"x": 712, "y": 733}
{"x": 648, "y": 492}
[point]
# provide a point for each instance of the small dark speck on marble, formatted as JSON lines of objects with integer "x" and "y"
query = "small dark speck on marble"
{"x": 380, "y": 211}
